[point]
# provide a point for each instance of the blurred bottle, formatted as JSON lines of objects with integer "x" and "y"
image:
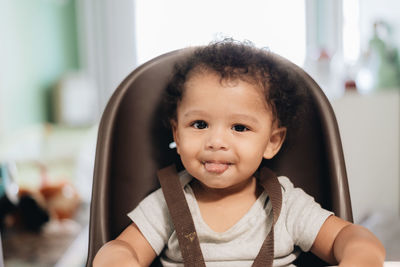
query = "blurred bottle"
{"x": 379, "y": 66}
{"x": 327, "y": 71}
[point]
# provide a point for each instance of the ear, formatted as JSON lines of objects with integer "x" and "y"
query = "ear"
{"x": 275, "y": 142}
{"x": 174, "y": 127}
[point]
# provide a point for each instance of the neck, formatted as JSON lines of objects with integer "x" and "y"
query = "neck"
{"x": 243, "y": 189}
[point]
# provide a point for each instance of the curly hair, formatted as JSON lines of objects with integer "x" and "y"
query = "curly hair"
{"x": 239, "y": 60}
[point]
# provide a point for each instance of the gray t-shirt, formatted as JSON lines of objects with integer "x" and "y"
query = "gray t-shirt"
{"x": 297, "y": 227}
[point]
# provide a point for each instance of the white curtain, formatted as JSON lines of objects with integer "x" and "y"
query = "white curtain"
{"x": 106, "y": 30}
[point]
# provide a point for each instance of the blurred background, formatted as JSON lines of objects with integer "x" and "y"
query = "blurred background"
{"x": 60, "y": 61}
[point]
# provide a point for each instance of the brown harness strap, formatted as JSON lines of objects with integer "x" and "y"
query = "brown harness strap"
{"x": 271, "y": 185}
{"x": 181, "y": 217}
{"x": 184, "y": 225}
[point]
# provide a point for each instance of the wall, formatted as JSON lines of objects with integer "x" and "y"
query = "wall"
{"x": 37, "y": 45}
{"x": 370, "y": 131}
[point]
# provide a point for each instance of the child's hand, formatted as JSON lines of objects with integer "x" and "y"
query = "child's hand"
{"x": 348, "y": 244}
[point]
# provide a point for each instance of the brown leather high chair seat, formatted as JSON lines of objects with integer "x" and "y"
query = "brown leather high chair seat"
{"x": 133, "y": 144}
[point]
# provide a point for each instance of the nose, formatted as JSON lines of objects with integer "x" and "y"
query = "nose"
{"x": 217, "y": 139}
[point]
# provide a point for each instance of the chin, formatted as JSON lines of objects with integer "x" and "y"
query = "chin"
{"x": 216, "y": 187}
{"x": 216, "y": 182}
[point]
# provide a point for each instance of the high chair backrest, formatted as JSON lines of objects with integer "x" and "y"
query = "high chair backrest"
{"x": 133, "y": 144}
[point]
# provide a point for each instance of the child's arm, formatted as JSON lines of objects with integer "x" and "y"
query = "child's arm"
{"x": 348, "y": 244}
{"x": 130, "y": 248}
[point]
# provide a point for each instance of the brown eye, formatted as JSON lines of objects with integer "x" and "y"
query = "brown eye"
{"x": 200, "y": 124}
{"x": 239, "y": 128}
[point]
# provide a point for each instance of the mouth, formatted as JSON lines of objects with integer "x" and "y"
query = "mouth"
{"x": 217, "y": 167}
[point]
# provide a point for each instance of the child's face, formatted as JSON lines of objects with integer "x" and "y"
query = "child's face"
{"x": 223, "y": 131}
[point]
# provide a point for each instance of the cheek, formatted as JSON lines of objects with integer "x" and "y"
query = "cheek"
{"x": 187, "y": 147}
{"x": 253, "y": 149}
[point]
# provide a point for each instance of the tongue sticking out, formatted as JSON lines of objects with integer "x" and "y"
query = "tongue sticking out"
{"x": 216, "y": 167}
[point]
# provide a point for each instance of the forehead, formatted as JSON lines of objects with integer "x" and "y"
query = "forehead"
{"x": 209, "y": 89}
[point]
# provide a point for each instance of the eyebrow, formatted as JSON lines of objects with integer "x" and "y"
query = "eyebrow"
{"x": 235, "y": 116}
{"x": 245, "y": 117}
{"x": 195, "y": 113}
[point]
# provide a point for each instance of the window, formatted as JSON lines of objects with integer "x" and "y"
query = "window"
{"x": 163, "y": 26}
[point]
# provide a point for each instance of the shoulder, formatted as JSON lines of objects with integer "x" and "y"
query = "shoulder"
{"x": 295, "y": 197}
{"x": 156, "y": 199}
{"x": 301, "y": 214}
{"x": 285, "y": 183}
{"x": 288, "y": 188}
{"x": 152, "y": 217}
{"x": 151, "y": 207}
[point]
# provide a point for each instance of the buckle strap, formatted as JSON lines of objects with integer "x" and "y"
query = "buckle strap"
{"x": 271, "y": 185}
{"x": 181, "y": 217}
{"x": 184, "y": 225}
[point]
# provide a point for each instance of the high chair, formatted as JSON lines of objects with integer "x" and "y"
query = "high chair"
{"x": 133, "y": 144}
